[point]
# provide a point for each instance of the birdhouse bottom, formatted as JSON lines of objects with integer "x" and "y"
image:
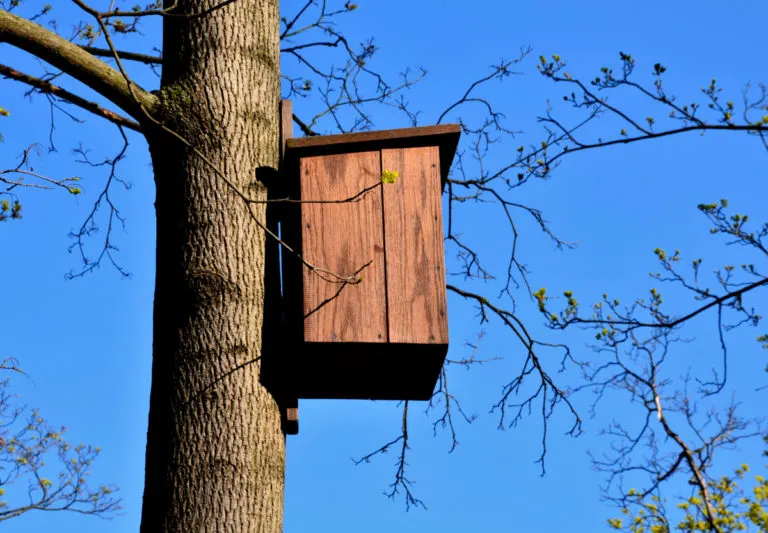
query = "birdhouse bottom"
{"x": 368, "y": 371}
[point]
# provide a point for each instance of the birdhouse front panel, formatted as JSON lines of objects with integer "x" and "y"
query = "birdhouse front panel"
{"x": 385, "y": 236}
{"x": 343, "y": 237}
{"x": 414, "y": 254}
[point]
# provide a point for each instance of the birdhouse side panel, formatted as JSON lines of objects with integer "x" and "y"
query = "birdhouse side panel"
{"x": 415, "y": 254}
{"x": 342, "y": 237}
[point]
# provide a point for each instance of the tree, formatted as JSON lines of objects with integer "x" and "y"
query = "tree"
{"x": 212, "y": 129}
{"x": 201, "y": 454}
{"x": 201, "y": 284}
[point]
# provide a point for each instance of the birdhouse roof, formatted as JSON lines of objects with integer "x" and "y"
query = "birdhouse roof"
{"x": 444, "y": 136}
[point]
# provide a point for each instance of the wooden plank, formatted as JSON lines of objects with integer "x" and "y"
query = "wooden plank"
{"x": 375, "y": 136}
{"x": 286, "y": 124}
{"x": 413, "y": 231}
{"x": 280, "y": 359}
{"x": 446, "y": 136}
{"x": 342, "y": 237}
{"x": 289, "y": 414}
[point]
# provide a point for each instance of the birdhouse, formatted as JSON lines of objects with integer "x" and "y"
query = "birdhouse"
{"x": 364, "y": 290}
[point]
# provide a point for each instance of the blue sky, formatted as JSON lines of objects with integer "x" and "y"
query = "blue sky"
{"x": 86, "y": 343}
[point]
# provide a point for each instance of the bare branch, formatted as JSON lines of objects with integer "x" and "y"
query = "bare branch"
{"x": 306, "y": 130}
{"x": 23, "y": 170}
{"x": 47, "y": 87}
{"x": 401, "y": 481}
{"x": 89, "y": 226}
{"x": 545, "y": 389}
{"x": 130, "y": 56}
{"x": 76, "y": 62}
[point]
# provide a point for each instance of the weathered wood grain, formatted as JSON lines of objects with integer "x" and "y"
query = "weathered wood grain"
{"x": 413, "y": 232}
{"x": 342, "y": 237}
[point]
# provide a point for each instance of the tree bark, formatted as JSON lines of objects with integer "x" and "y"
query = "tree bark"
{"x": 215, "y": 450}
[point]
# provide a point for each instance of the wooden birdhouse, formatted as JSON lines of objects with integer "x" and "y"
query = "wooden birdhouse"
{"x": 365, "y": 297}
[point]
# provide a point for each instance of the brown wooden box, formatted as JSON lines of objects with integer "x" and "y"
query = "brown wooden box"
{"x": 385, "y": 337}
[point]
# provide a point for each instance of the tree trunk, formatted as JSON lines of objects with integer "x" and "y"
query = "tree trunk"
{"x": 215, "y": 450}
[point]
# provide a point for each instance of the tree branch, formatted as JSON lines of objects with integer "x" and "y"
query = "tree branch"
{"x": 130, "y": 56}
{"x": 49, "y": 88}
{"x": 76, "y": 62}
{"x": 668, "y": 324}
{"x": 306, "y": 130}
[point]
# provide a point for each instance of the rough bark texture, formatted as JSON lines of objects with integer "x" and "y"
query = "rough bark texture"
{"x": 215, "y": 451}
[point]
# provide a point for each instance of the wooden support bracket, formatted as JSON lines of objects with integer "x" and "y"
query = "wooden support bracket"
{"x": 288, "y": 402}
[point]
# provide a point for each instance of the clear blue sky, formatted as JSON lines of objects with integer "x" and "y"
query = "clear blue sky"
{"x": 86, "y": 343}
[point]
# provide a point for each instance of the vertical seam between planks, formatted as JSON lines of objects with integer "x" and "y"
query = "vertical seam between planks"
{"x": 384, "y": 244}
